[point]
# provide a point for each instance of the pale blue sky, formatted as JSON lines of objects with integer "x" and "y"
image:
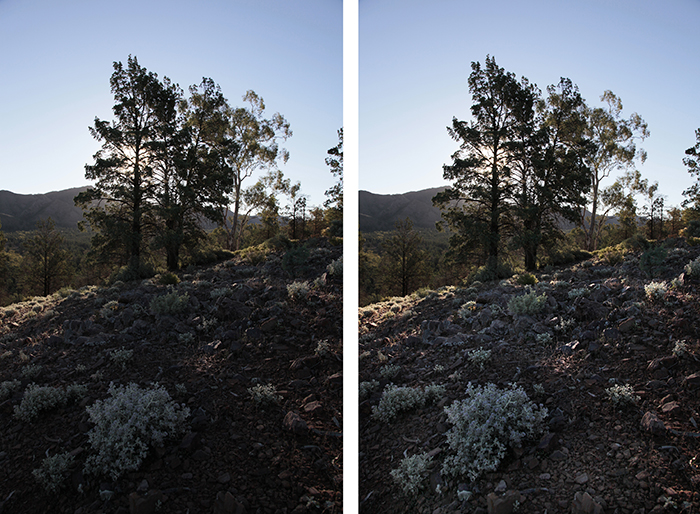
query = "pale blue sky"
{"x": 56, "y": 61}
{"x": 415, "y": 58}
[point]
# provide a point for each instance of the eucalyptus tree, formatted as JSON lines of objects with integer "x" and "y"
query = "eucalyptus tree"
{"x": 257, "y": 140}
{"x": 334, "y": 201}
{"x": 692, "y": 194}
{"x": 615, "y": 140}
{"x": 191, "y": 181}
{"x": 478, "y": 206}
{"x": 551, "y": 173}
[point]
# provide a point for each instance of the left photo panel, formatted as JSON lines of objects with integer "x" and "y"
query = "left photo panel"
{"x": 171, "y": 257}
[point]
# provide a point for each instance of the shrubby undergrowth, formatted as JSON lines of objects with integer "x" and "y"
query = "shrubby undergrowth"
{"x": 485, "y": 424}
{"x": 127, "y": 424}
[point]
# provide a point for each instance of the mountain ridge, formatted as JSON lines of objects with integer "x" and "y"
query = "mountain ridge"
{"x": 20, "y": 212}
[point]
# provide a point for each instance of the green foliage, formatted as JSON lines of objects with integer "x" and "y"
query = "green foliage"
{"x": 132, "y": 273}
{"x": 479, "y": 357}
{"x": 489, "y": 274}
{"x": 170, "y": 303}
{"x": 485, "y": 424}
{"x": 127, "y": 424}
{"x": 168, "y": 279}
{"x": 526, "y": 279}
{"x": 295, "y": 260}
{"x": 527, "y": 304}
{"x": 652, "y": 261}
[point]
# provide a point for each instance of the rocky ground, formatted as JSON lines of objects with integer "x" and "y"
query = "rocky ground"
{"x": 240, "y": 328}
{"x": 598, "y": 329}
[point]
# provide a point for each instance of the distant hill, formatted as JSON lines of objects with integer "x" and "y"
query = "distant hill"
{"x": 380, "y": 212}
{"x": 21, "y": 212}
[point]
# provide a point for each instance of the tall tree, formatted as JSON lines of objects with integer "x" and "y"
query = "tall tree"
{"x": 334, "y": 201}
{"x": 615, "y": 140}
{"x": 45, "y": 261}
{"x": 550, "y": 171}
{"x": 478, "y": 205}
{"x": 119, "y": 206}
{"x": 404, "y": 262}
{"x": 258, "y": 141}
{"x": 189, "y": 178}
{"x": 692, "y": 194}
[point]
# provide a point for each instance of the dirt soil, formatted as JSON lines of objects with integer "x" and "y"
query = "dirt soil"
{"x": 593, "y": 456}
{"x": 240, "y": 328}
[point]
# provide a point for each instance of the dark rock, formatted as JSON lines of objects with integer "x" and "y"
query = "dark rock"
{"x": 671, "y": 409}
{"x": 584, "y": 504}
{"x": 627, "y": 325}
{"x": 611, "y": 334}
{"x": 503, "y": 504}
{"x": 335, "y": 380}
{"x": 226, "y": 504}
{"x": 558, "y": 456}
{"x": 54, "y": 340}
{"x": 413, "y": 341}
{"x": 692, "y": 380}
{"x": 254, "y": 334}
{"x": 146, "y": 504}
{"x": 652, "y": 424}
{"x": 294, "y": 423}
{"x": 191, "y": 441}
{"x": 546, "y": 442}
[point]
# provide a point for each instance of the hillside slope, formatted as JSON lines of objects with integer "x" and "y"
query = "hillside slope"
{"x": 597, "y": 328}
{"x": 237, "y": 329}
{"x": 21, "y": 212}
{"x": 380, "y": 212}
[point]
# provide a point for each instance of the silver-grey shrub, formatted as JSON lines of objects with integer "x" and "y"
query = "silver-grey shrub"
{"x": 485, "y": 425}
{"x": 411, "y": 472}
{"x": 37, "y": 399}
{"x": 127, "y": 423}
{"x": 397, "y": 399}
{"x": 53, "y": 471}
{"x": 170, "y": 303}
{"x": 527, "y": 304}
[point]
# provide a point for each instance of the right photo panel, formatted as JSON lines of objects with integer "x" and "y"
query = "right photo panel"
{"x": 529, "y": 257}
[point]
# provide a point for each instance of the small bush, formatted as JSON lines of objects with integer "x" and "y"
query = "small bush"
{"x": 465, "y": 311}
{"x": 479, "y": 357}
{"x": 527, "y": 304}
{"x": 485, "y": 425}
{"x": 575, "y": 293}
{"x": 366, "y": 388}
{"x": 622, "y": 395}
{"x": 655, "y": 291}
{"x": 127, "y": 424}
{"x": 335, "y": 268}
{"x": 130, "y": 273}
{"x": 170, "y": 303}
{"x": 264, "y": 394}
{"x": 526, "y": 279}
{"x": 489, "y": 274}
{"x": 390, "y": 371}
{"x": 37, "y": 399}
{"x": 168, "y": 279}
{"x": 411, "y": 473}
{"x": 693, "y": 268}
{"x": 8, "y": 387}
{"x": 53, "y": 471}
{"x": 400, "y": 399}
{"x": 121, "y": 356}
{"x": 298, "y": 290}
{"x": 295, "y": 260}
{"x": 652, "y": 261}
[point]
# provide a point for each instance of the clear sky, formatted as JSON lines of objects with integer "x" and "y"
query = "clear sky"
{"x": 56, "y": 61}
{"x": 415, "y": 58}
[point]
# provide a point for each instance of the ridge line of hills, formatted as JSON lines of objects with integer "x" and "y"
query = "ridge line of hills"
{"x": 21, "y": 212}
